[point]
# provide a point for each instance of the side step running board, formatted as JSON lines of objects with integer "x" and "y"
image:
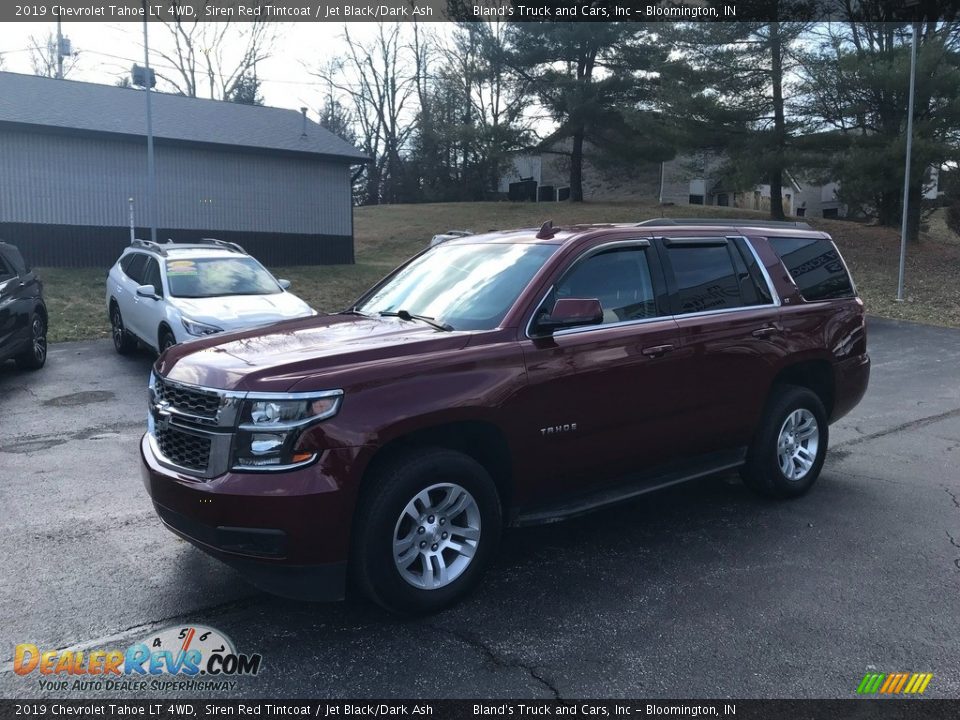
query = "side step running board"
{"x": 630, "y": 488}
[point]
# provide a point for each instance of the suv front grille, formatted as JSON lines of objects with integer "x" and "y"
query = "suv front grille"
{"x": 194, "y": 401}
{"x": 184, "y": 449}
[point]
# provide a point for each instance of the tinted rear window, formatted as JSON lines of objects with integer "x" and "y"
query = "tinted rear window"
{"x": 705, "y": 278}
{"x": 133, "y": 265}
{"x": 815, "y": 267}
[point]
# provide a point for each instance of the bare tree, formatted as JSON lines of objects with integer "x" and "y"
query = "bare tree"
{"x": 215, "y": 60}
{"x": 375, "y": 78}
{"x": 43, "y": 57}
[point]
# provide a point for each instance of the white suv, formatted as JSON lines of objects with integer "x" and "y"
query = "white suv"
{"x": 163, "y": 294}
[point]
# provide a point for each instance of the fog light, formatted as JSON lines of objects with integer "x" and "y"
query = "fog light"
{"x": 258, "y": 462}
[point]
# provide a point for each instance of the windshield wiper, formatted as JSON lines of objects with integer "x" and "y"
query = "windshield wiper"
{"x": 406, "y": 315}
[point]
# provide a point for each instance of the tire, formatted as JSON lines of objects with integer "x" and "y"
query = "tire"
{"x": 35, "y": 356}
{"x": 123, "y": 342}
{"x": 445, "y": 478}
{"x": 797, "y": 416}
{"x": 167, "y": 340}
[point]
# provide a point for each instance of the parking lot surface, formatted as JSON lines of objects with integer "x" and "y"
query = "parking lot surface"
{"x": 700, "y": 591}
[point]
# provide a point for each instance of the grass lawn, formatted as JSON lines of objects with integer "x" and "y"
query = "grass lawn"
{"x": 388, "y": 234}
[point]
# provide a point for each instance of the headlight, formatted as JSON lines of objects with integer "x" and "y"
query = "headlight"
{"x": 270, "y": 427}
{"x": 199, "y": 329}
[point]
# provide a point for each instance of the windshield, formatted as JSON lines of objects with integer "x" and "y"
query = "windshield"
{"x": 214, "y": 277}
{"x": 469, "y": 287}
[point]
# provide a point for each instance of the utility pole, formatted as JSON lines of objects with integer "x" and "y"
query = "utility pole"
{"x": 906, "y": 173}
{"x": 59, "y": 51}
{"x": 151, "y": 175}
{"x": 133, "y": 233}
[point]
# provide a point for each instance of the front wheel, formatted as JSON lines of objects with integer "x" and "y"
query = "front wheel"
{"x": 167, "y": 340}
{"x": 428, "y": 527}
{"x": 787, "y": 454}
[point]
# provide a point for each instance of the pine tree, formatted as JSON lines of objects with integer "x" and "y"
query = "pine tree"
{"x": 592, "y": 78}
{"x": 728, "y": 88}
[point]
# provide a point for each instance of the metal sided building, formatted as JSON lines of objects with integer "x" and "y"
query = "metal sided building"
{"x": 72, "y": 154}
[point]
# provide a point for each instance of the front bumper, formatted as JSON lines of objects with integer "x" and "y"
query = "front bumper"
{"x": 287, "y": 532}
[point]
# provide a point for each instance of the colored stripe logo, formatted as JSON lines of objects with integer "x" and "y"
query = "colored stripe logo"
{"x": 894, "y": 683}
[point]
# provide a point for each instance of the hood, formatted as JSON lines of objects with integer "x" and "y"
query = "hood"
{"x": 235, "y": 312}
{"x": 275, "y": 359}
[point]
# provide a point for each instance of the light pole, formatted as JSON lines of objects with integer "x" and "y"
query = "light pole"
{"x": 151, "y": 175}
{"x": 906, "y": 172}
{"x": 133, "y": 233}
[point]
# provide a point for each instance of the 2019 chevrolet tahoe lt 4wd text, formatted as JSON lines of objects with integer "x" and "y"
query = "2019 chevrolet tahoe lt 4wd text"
{"x": 503, "y": 379}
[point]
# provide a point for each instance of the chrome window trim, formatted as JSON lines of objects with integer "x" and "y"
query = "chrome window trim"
{"x": 777, "y": 302}
{"x": 588, "y": 253}
{"x": 853, "y": 284}
{"x": 722, "y": 311}
{"x": 605, "y": 326}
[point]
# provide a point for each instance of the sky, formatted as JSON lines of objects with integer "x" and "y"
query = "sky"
{"x": 108, "y": 49}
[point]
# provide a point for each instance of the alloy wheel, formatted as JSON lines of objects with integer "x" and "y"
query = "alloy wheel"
{"x": 797, "y": 444}
{"x": 116, "y": 326}
{"x": 436, "y": 536}
{"x": 39, "y": 340}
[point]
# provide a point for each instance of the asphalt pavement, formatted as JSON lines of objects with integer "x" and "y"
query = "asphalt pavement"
{"x": 700, "y": 591}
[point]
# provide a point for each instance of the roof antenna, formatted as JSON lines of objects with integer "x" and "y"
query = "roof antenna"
{"x": 547, "y": 231}
{"x": 304, "y": 111}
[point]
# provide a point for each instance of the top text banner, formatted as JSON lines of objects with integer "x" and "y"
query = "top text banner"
{"x": 339, "y": 11}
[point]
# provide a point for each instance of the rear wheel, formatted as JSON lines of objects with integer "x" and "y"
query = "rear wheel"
{"x": 123, "y": 342}
{"x": 787, "y": 454}
{"x": 35, "y": 356}
{"x": 427, "y": 529}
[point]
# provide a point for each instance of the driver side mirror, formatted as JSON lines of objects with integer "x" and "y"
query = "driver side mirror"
{"x": 147, "y": 291}
{"x": 285, "y": 284}
{"x": 571, "y": 312}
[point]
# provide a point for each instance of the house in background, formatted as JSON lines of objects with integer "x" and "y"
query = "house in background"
{"x": 549, "y": 169}
{"x": 695, "y": 180}
{"x": 74, "y": 153}
{"x": 686, "y": 180}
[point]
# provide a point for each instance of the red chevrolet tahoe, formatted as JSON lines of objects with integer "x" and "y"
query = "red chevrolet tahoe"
{"x": 504, "y": 379}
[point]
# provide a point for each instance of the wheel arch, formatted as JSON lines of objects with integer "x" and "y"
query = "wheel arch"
{"x": 164, "y": 325}
{"x": 481, "y": 440}
{"x": 814, "y": 373}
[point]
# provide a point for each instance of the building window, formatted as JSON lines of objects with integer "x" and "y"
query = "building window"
{"x": 723, "y": 199}
{"x": 830, "y": 213}
{"x": 696, "y": 200}
{"x": 801, "y": 212}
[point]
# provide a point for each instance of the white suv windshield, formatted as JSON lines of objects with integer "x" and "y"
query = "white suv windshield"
{"x": 214, "y": 277}
{"x": 469, "y": 287}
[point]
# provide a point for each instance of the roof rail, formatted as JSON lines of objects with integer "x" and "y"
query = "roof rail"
{"x": 224, "y": 244}
{"x": 148, "y": 245}
{"x": 163, "y": 248}
{"x": 745, "y": 222}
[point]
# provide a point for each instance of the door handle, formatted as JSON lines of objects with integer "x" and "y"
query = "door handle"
{"x": 765, "y": 332}
{"x": 657, "y": 350}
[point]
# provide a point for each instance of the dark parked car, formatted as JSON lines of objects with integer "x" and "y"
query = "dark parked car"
{"x": 23, "y": 313}
{"x": 503, "y": 379}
